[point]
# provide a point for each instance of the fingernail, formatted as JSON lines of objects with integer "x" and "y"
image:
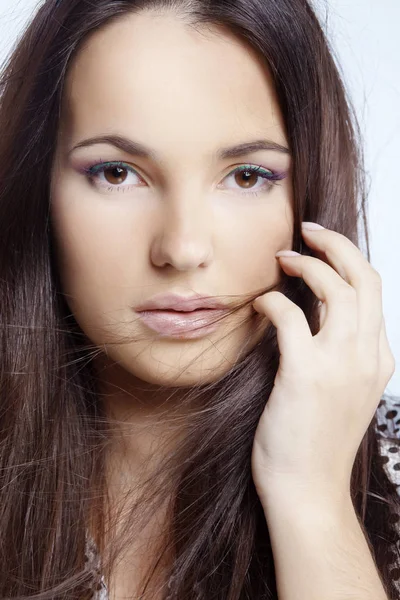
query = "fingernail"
{"x": 287, "y": 253}
{"x": 311, "y": 226}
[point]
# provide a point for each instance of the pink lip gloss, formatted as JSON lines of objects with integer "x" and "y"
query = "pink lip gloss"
{"x": 177, "y": 324}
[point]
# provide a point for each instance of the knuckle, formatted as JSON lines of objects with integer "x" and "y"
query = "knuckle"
{"x": 345, "y": 293}
{"x": 290, "y": 316}
{"x": 376, "y": 280}
{"x": 390, "y": 365}
{"x": 337, "y": 234}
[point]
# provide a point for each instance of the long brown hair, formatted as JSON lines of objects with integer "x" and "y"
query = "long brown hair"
{"x": 54, "y": 432}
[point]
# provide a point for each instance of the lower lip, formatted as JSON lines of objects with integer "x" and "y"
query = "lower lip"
{"x": 187, "y": 325}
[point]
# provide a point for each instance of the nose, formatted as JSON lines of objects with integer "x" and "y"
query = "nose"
{"x": 184, "y": 238}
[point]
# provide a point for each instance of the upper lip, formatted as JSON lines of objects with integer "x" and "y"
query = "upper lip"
{"x": 182, "y": 303}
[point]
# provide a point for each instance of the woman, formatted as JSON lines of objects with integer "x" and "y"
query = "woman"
{"x": 223, "y": 442}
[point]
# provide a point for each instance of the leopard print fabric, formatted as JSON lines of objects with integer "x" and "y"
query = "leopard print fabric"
{"x": 388, "y": 423}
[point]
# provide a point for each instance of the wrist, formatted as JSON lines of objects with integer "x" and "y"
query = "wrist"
{"x": 304, "y": 498}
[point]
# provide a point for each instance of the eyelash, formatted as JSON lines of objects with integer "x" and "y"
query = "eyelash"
{"x": 272, "y": 177}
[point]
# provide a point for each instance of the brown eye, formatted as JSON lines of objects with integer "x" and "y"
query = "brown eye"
{"x": 248, "y": 178}
{"x": 115, "y": 175}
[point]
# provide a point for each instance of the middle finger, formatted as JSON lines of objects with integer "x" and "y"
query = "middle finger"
{"x": 340, "y": 298}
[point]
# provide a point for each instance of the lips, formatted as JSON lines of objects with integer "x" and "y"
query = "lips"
{"x": 175, "y": 302}
{"x": 174, "y": 315}
{"x": 182, "y": 324}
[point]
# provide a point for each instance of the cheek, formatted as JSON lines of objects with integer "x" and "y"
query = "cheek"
{"x": 92, "y": 252}
{"x": 252, "y": 250}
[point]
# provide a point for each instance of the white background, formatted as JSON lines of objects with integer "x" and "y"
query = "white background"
{"x": 365, "y": 36}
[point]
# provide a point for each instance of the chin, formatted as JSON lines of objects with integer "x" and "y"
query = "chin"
{"x": 177, "y": 369}
{"x": 178, "y": 363}
{"x": 173, "y": 363}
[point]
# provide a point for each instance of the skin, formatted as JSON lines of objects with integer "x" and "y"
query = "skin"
{"x": 184, "y": 223}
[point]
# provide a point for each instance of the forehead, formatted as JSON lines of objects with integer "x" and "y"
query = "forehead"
{"x": 154, "y": 78}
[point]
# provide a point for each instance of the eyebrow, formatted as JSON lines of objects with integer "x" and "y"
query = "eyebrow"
{"x": 135, "y": 149}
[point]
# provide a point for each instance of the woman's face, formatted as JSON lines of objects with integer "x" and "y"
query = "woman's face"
{"x": 183, "y": 219}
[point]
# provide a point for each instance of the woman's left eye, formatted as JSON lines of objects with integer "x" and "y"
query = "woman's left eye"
{"x": 112, "y": 174}
{"x": 247, "y": 174}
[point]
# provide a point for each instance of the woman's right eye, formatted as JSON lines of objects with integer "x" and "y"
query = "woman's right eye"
{"x": 111, "y": 175}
